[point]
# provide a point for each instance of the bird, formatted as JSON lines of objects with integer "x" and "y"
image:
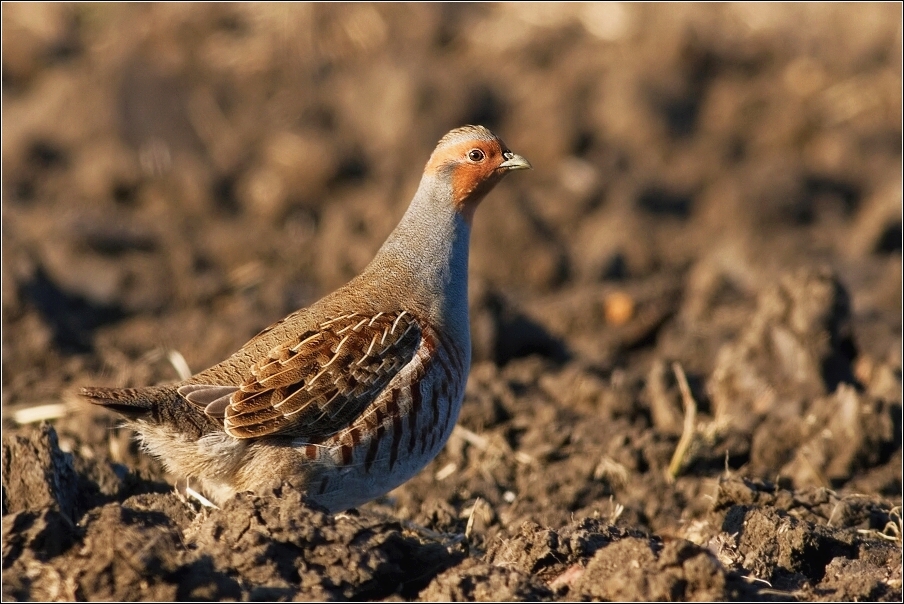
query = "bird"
{"x": 353, "y": 395}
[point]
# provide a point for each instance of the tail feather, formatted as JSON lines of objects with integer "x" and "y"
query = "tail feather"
{"x": 133, "y": 403}
{"x": 158, "y": 404}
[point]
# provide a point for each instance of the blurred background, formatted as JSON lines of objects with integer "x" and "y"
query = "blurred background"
{"x": 176, "y": 176}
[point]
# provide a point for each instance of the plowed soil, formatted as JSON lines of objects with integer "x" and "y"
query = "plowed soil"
{"x": 687, "y": 378}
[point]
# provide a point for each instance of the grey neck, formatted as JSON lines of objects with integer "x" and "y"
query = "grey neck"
{"x": 427, "y": 256}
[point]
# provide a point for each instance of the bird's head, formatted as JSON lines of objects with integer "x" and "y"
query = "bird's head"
{"x": 470, "y": 161}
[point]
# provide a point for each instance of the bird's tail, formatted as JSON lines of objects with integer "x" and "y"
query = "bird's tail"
{"x": 133, "y": 403}
{"x": 157, "y": 404}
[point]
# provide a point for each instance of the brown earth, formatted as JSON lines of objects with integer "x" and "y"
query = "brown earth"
{"x": 716, "y": 195}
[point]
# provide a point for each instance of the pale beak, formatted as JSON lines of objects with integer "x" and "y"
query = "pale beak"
{"x": 513, "y": 161}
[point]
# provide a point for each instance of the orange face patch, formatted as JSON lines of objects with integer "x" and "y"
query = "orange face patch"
{"x": 472, "y": 167}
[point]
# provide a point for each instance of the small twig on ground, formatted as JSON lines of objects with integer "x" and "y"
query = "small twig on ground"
{"x": 446, "y": 471}
{"x": 200, "y": 498}
{"x": 38, "y": 413}
{"x": 617, "y": 510}
{"x": 469, "y": 527}
{"x": 892, "y": 530}
{"x": 690, "y": 422}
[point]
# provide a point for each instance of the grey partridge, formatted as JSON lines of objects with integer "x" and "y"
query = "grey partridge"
{"x": 353, "y": 395}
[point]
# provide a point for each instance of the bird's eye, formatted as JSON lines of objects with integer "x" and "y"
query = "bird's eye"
{"x": 476, "y": 155}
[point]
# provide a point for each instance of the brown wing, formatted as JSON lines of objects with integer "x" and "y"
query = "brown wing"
{"x": 316, "y": 384}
